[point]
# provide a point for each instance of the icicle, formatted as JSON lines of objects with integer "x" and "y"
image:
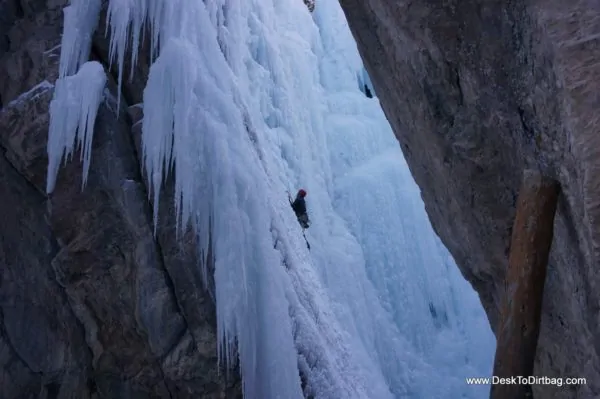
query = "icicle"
{"x": 140, "y": 13}
{"x": 126, "y": 19}
{"x": 167, "y": 107}
{"x": 155, "y": 18}
{"x": 73, "y": 112}
{"x": 118, "y": 18}
{"x": 80, "y": 22}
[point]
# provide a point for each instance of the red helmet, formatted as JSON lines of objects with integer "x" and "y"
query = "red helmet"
{"x": 302, "y": 193}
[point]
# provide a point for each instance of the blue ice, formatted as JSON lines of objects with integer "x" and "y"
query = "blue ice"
{"x": 246, "y": 101}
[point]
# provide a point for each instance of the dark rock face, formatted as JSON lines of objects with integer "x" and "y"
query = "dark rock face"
{"x": 91, "y": 304}
{"x": 476, "y": 91}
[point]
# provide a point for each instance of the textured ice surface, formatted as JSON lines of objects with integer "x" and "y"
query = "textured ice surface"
{"x": 73, "y": 112}
{"x": 247, "y": 100}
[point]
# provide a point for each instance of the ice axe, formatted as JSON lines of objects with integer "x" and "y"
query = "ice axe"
{"x": 307, "y": 244}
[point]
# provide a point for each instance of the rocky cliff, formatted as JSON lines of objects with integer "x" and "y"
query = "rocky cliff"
{"x": 92, "y": 305}
{"x": 476, "y": 91}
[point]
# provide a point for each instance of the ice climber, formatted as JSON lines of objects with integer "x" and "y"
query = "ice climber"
{"x": 299, "y": 207}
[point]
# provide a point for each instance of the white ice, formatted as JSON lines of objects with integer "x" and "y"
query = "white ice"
{"x": 73, "y": 112}
{"x": 247, "y": 100}
{"x": 80, "y": 21}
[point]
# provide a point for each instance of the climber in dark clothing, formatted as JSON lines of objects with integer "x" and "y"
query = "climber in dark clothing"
{"x": 299, "y": 207}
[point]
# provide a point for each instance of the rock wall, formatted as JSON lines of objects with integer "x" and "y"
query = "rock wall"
{"x": 92, "y": 305}
{"x": 476, "y": 91}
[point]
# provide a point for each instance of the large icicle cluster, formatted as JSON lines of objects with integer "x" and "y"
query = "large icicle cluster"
{"x": 73, "y": 112}
{"x": 78, "y": 90}
{"x": 194, "y": 126}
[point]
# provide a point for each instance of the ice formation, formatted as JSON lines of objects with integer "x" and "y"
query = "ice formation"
{"x": 249, "y": 99}
{"x": 73, "y": 112}
{"x": 80, "y": 21}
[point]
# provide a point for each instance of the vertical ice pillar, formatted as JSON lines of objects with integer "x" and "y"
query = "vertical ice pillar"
{"x": 521, "y": 311}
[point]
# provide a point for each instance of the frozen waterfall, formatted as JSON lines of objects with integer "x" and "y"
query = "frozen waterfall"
{"x": 247, "y": 100}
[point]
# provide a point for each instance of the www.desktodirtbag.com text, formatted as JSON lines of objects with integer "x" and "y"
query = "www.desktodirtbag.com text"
{"x": 531, "y": 380}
